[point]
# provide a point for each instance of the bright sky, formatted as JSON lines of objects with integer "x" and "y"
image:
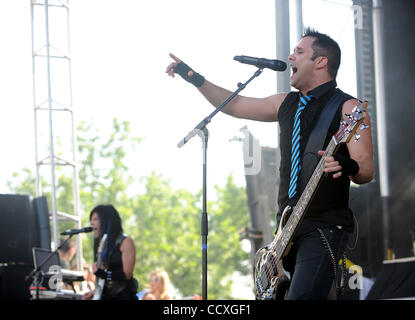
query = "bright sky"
{"x": 119, "y": 53}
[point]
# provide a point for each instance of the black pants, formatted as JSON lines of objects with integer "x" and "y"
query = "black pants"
{"x": 120, "y": 290}
{"x": 310, "y": 264}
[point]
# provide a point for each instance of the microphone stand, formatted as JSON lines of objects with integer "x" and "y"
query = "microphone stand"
{"x": 203, "y": 132}
{"x": 36, "y": 271}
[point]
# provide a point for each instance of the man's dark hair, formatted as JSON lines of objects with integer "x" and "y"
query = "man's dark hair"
{"x": 67, "y": 245}
{"x": 326, "y": 47}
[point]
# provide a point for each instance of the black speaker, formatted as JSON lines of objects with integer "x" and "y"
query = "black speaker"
{"x": 395, "y": 280}
{"x": 17, "y": 229}
{"x": 13, "y": 283}
{"x": 41, "y": 213}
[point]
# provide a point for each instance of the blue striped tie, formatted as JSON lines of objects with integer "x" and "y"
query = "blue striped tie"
{"x": 295, "y": 147}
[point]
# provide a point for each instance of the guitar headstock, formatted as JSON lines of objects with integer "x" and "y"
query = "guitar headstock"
{"x": 349, "y": 126}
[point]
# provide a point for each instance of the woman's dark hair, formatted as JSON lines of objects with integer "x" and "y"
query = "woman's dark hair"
{"x": 326, "y": 47}
{"x": 111, "y": 224}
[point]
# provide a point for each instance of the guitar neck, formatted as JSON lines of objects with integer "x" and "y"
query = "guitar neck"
{"x": 99, "y": 260}
{"x": 303, "y": 203}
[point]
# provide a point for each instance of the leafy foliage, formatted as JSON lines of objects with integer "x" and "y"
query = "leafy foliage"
{"x": 164, "y": 223}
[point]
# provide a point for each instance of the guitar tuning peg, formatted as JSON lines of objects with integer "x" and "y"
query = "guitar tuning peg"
{"x": 363, "y": 127}
{"x": 356, "y": 137}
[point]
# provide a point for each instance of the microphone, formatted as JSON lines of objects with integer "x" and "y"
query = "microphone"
{"x": 71, "y": 232}
{"x": 275, "y": 65}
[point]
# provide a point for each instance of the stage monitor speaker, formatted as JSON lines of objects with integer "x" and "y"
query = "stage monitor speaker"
{"x": 13, "y": 283}
{"x": 17, "y": 229}
{"x": 41, "y": 212}
{"x": 396, "y": 280}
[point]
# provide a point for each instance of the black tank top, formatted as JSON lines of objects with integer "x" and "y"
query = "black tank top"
{"x": 329, "y": 206}
{"x": 125, "y": 289}
{"x": 115, "y": 256}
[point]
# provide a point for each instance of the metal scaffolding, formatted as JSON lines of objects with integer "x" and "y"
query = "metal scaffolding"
{"x": 55, "y": 138}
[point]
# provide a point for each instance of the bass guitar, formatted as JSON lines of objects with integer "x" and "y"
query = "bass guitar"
{"x": 99, "y": 282}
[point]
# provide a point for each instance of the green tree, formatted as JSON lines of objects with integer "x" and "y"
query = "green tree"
{"x": 227, "y": 218}
{"x": 103, "y": 174}
{"x": 23, "y": 183}
{"x": 167, "y": 227}
{"x": 164, "y": 222}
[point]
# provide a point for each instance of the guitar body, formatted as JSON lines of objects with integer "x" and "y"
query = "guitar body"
{"x": 99, "y": 282}
{"x": 276, "y": 286}
{"x": 99, "y": 287}
{"x": 271, "y": 280}
{"x": 267, "y": 258}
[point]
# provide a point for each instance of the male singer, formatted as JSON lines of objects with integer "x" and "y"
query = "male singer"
{"x": 321, "y": 237}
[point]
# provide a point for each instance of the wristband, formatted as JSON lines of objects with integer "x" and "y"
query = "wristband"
{"x": 115, "y": 275}
{"x": 101, "y": 274}
{"x": 183, "y": 69}
{"x": 349, "y": 166}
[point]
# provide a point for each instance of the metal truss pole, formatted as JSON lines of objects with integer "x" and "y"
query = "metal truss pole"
{"x": 49, "y": 82}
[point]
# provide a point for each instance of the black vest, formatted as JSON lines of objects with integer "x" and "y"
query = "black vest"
{"x": 330, "y": 203}
{"x": 125, "y": 289}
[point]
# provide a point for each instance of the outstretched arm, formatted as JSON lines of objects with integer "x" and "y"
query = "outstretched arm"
{"x": 260, "y": 109}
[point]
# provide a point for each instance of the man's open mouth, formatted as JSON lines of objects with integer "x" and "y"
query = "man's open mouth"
{"x": 294, "y": 69}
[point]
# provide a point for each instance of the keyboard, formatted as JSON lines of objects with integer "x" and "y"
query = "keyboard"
{"x": 56, "y": 294}
{"x": 67, "y": 275}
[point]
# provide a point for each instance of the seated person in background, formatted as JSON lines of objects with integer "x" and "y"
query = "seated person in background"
{"x": 66, "y": 253}
{"x": 159, "y": 286}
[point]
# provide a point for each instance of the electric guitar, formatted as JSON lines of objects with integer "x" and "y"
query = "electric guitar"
{"x": 99, "y": 282}
{"x": 270, "y": 278}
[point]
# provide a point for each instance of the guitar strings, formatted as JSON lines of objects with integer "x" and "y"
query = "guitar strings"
{"x": 267, "y": 268}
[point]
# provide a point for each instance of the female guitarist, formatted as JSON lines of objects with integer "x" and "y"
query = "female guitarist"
{"x": 117, "y": 257}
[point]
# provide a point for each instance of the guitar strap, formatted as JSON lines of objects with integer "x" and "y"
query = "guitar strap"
{"x": 318, "y": 136}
